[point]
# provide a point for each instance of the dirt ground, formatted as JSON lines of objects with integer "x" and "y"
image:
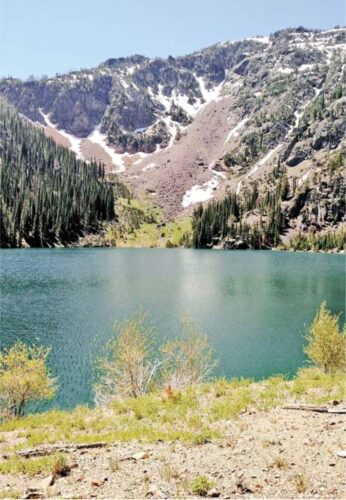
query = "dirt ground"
{"x": 275, "y": 454}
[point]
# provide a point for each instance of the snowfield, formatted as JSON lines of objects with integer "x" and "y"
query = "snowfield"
{"x": 74, "y": 141}
{"x": 209, "y": 94}
{"x": 199, "y": 193}
{"x": 101, "y": 139}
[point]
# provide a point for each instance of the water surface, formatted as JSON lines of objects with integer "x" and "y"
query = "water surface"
{"x": 253, "y": 305}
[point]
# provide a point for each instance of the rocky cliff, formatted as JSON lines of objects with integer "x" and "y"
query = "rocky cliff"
{"x": 188, "y": 129}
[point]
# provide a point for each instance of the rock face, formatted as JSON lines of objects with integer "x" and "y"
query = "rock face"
{"x": 186, "y": 129}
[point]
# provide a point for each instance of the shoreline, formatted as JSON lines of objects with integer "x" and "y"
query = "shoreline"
{"x": 108, "y": 247}
{"x": 270, "y": 439}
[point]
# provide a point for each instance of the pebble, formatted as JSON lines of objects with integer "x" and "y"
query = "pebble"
{"x": 213, "y": 493}
{"x": 140, "y": 456}
{"x": 99, "y": 482}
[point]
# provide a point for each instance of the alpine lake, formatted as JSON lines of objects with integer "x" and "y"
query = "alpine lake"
{"x": 253, "y": 305}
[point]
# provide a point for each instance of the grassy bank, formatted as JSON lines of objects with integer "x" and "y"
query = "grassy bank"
{"x": 141, "y": 224}
{"x": 194, "y": 416}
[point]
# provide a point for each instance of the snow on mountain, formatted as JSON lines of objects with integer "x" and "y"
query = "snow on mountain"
{"x": 189, "y": 128}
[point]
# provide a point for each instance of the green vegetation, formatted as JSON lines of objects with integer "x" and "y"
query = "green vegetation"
{"x": 23, "y": 377}
{"x": 187, "y": 360}
{"x": 33, "y": 466}
{"x": 128, "y": 368}
{"x": 317, "y": 387}
{"x": 326, "y": 343}
{"x": 177, "y": 233}
{"x": 192, "y": 415}
{"x": 201, "y": 485}
{"x": 10, "y": 494}
{"x": 135, "y": 365}
{"x": 140, "y": 224}
{"x": 166, "y": 402}
{"x": 48, "y": 196}
{"x": 258, "y": 216}
{"x": 60, "y": 466}
{"x": 336, "y": 162}
{"x": 317, "y": 242}
{"x": 226, "y": 220}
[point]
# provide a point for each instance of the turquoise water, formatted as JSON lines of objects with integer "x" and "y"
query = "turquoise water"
{"x": 253, "y": 305}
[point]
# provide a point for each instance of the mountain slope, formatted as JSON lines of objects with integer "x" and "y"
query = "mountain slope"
{"x": 48, "y": 198}
{"x": 188, "y": 129}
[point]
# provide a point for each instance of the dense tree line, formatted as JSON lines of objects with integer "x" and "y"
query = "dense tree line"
{"x": 252, "y": 220}
{"x": 329, "y": 240}
{"x": 48, "y": 196}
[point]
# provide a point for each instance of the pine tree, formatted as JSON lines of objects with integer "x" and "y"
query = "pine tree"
{"x": 48, "y": 196}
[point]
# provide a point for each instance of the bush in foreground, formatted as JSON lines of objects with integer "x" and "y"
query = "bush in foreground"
{"x": 188, "y": 360}
{"x": 24, "y": 377}
{"x": 129, "y": 367}
{"x": 135, "y": 365}
{"x": 326, "y": 342}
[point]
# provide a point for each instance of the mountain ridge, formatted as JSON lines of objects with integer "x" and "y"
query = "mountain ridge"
{"x": 190, "y": 129}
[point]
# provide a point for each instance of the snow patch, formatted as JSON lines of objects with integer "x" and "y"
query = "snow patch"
{"x": 264, "y": 160}
{"x": 130, "y": 70}
{"x": 199, "y": 193}
{"x": 260, "y": 163}
{"x": 259, "y": 39}
{"x": 216, "y": 172}
{"x": 141, "y": 156}
{"x": 124, "y": 84}
{"x": 305, "y": 67}
{"x": 303, "y": 178}
{"x": 172, "y": 130}
{"x": 164, "y": 100}
{"x": 182, "y": 101}
{"x": 334, "y": 30}
{"x": 234, "y": 131}
{"x": 299, "y": 114}
{"x": 209, "y": 94}
{"x": 285, "y": 71}
{"x": 323, "y": 45}
{"x": 74, "y": 141}
{"x": 148, "y": 167}
{"x": 101, "y": 139}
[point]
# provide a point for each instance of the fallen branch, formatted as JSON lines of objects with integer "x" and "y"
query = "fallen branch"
{"x": 50, "y": 449}
{"x": 319, "y": 409}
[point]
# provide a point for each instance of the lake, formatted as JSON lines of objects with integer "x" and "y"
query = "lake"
{"x": 252, "y": 304}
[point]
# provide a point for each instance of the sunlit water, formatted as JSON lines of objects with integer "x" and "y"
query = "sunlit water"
{"x": 253, "y": 305}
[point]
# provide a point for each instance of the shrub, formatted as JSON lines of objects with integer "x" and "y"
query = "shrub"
{"x": 188, "y": 360}
{"x": 128, "y": 369}
{"x": 326, "y": 343}
{"x": 134, "y": 365}
{"x": 23, "y": 377}
{"x": 301, "y": 483}
{"x": 60, "y": 467}
{"x": 201, "y": 485}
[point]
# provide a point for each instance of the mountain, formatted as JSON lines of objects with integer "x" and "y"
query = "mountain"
{"x": 48, "y": 197}
{"x": 190, "y": 129}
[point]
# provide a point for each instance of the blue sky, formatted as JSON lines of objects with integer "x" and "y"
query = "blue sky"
{"x": 48, "y": 36}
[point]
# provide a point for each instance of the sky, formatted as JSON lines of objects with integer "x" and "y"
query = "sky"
{"x": 39, "y": 37}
